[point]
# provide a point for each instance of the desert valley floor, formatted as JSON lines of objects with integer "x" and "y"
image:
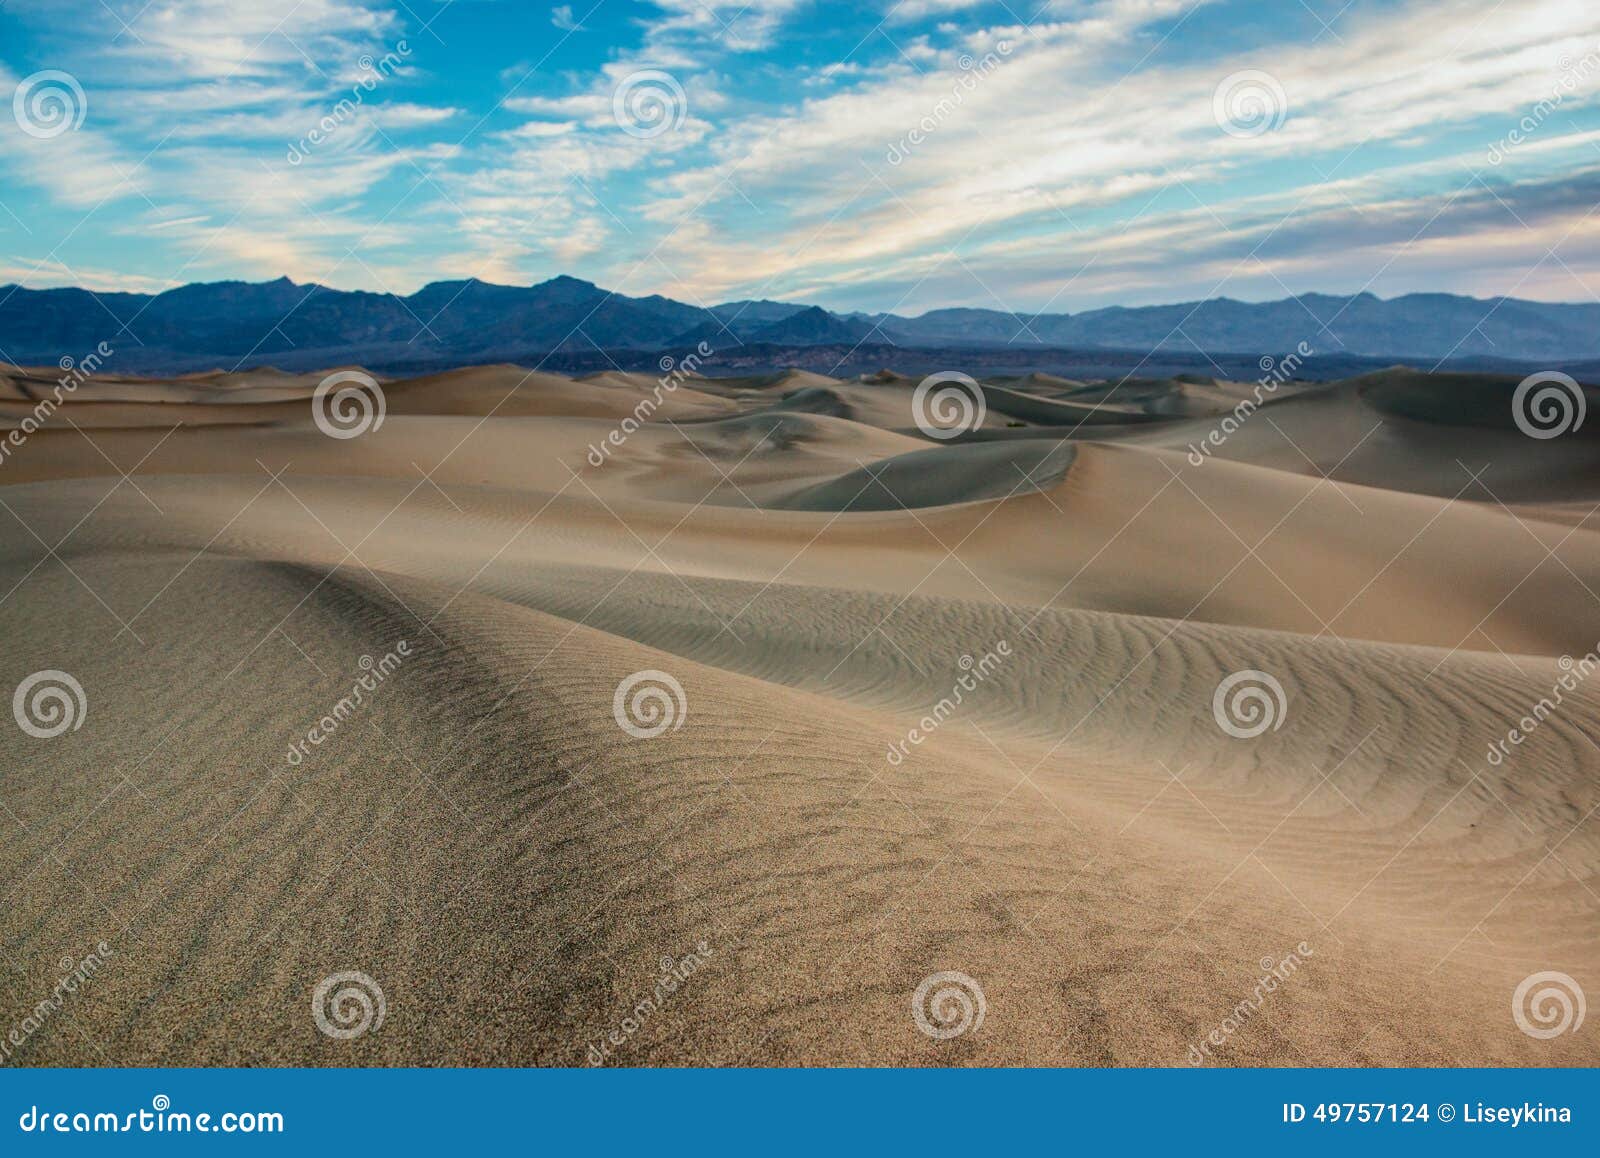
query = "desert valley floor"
{"x": 1080, "y": 837}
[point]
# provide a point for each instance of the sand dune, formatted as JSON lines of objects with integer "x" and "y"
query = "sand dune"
{"x": 1079, "y": 836}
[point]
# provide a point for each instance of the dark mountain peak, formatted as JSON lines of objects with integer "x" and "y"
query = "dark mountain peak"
{"x": 234, "y": 285}
{"x": 229, "y": 301}
{"x": 1427, "y": 299}
{"x": 813, "y": 326}
{"x": 567, "y": 288}
{"x": 440, "y": 293}
{"x": 448, "y": 286}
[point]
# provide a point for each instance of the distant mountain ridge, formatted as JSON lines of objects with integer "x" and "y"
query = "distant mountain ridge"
{"x": 281, "y": 322}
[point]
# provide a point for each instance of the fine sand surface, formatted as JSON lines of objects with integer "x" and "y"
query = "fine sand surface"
{"x": 1122, "y": 880}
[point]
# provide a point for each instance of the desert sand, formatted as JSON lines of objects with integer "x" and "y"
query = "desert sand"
{"x": 517, "y": 872}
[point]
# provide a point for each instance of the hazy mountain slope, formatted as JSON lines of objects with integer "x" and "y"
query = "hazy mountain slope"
{"x": 470, "y": 321}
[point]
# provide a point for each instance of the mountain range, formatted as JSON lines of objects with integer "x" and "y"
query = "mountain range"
{"x": 459, "y": 322}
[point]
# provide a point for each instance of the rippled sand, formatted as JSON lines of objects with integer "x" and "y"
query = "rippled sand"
{"x": 803, "y": 576}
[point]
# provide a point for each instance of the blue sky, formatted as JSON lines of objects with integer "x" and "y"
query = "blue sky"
{"x": 872, "y": 155}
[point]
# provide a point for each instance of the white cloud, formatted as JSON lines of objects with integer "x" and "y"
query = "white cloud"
{"x": 906, "y": 11}
{"x": 218, "y": 39}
